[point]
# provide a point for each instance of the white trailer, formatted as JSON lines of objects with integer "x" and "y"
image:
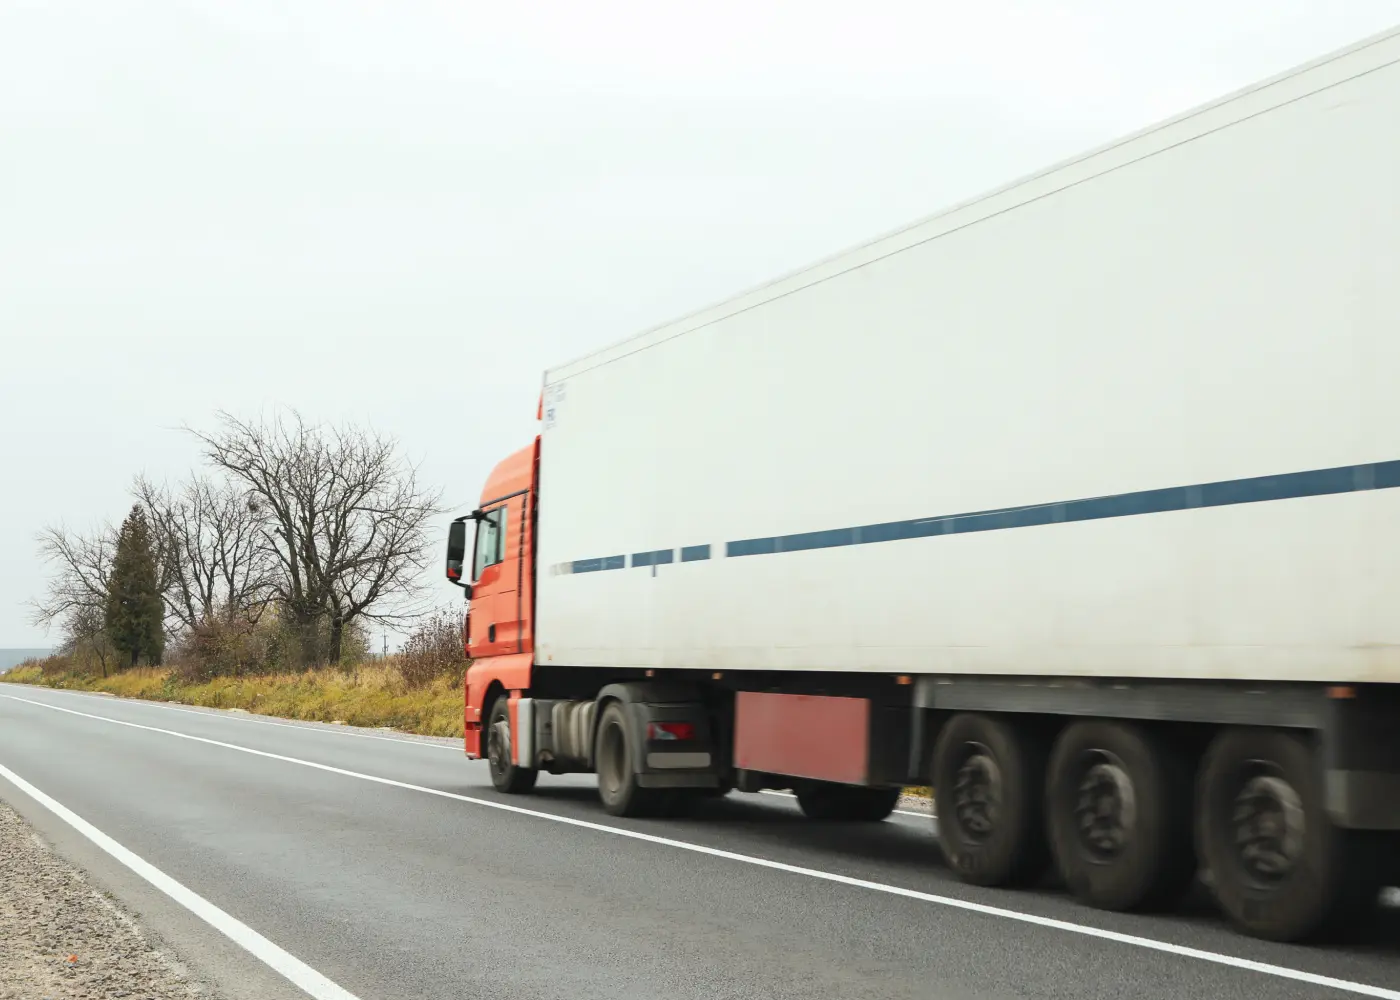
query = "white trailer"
{"x": 1088, "y": 485}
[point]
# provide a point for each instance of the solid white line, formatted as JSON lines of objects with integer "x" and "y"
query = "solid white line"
{"x": 301, "y": 725}
{"x": 223, "y": 713}
{"x": 292, "y": 968}
{"x": 1133, "y": 940}
{"x": 218, "y": 713}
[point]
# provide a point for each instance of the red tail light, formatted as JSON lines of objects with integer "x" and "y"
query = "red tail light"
{"x": 670, "y": 730}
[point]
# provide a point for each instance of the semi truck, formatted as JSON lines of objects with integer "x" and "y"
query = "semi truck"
{"x": 1078, "y": 502}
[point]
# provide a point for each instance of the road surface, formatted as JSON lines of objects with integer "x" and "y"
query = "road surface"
{"x": 382, "y": 866}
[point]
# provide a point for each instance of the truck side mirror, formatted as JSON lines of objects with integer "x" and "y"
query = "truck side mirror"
{"x": 456, "y": 550}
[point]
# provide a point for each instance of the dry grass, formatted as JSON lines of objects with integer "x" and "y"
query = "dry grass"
{"x": 25, "y": 673}
{"x": 370, "y": 695}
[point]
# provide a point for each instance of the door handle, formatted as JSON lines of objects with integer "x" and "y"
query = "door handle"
{"x": 490, "y": 633}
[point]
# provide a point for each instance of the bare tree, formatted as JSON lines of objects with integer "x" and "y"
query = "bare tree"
{"x": 341, "y": 515}
{"x": 214, "y": 565}
{"x": 75, "y": 599}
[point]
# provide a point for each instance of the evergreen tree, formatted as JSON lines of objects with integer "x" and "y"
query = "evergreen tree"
{"x": 135, "y": 612}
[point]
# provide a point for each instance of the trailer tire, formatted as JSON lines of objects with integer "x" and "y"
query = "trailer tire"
{"x": 617, "y": 779}
{"x": 1119, "y": 804}
{"x": 506, "y": 776}
{"x": 829, "y": 801}
{"x": 1279, "y": 868}
{"x": 989, "y": 793}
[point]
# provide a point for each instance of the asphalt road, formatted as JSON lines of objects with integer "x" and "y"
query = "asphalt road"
{"x": 419, "y": 884}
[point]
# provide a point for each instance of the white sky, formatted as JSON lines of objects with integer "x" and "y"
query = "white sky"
{"x": 400, "y": 213}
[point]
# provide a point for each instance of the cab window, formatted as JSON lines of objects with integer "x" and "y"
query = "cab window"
{"x": 490, "y": 541}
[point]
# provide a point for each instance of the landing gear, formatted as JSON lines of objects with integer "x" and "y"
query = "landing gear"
{"x": 1120, "y": 816}
{"x": 1279, "y": 867}
{"x": 507, "y": 776}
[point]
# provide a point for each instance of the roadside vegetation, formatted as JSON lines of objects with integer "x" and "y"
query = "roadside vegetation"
{"x": 257, "y": 582}
{"x": 371, "y": 694}
{"x": 418, "y": 690}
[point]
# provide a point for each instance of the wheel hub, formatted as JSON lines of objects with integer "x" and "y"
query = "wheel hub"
{"x": 1269, "y": 828}
{"x": 977, "y": 794}
{"x": 1106, "y": 807}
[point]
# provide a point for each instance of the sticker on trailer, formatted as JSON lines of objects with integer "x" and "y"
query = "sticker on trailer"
{"x": 553, "y": 396}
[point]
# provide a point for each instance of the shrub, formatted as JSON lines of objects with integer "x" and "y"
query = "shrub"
{"x": 230, "y": 648}
{"x": 54, "y": 666}
{"x": 434, "y": 649}
{"x": 28, "y": 672}
{"x": 56, "y": 670}
{"x": 233, "y": 647}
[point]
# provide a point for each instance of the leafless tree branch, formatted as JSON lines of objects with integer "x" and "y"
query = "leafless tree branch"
{"x": 75, "y": 597}
{"x": 214, "y": 565}
{"x": 340, "y": 515}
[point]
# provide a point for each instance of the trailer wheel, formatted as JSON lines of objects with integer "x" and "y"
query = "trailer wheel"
{"x": 827, "y": 800}
{"x": 989, "y": 790}
{"x": 1280, "y": 869}
{"x": 1119, "y": 807}
{"x": 507, "y": 776}
{"x": 617, "y": 780}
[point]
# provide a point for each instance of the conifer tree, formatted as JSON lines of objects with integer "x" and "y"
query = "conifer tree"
{"x": 135, "y": 612}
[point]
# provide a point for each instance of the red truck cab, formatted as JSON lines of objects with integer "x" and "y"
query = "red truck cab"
{"x": 500, "y": 585}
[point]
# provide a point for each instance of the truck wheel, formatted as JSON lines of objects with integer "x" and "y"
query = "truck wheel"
{"x": 989, "y": 789}
{"x": 827, "y": 800}
{"x": 506, "y": 776}
{"x": 1119, "y": 807}
{"x": 617, "y": 781}
{"x": 1280, "y": 869}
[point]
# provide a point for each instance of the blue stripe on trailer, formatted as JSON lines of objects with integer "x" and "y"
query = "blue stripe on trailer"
{"x": 1225, "y": 493}
{"x": 1229, "y": 492}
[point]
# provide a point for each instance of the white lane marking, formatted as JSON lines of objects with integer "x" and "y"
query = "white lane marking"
{"x": 901, "y": 812}
{"x": 292, "y": 968}
{"x": 1133, "y": 940}
{"x": 215, "y": 713}
{"x": 303, "y": 727}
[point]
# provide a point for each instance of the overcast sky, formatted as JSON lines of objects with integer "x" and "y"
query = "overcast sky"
{"x": 400, "y": 213}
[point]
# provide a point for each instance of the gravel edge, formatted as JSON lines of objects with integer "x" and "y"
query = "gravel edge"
{"x": 65, "y": 940}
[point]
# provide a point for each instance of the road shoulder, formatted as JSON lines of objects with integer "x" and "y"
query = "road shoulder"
{"x": 65, "y": 938}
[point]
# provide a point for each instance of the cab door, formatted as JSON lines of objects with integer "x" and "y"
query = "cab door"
{"x": 513, "y": 612}
{"x": 492, "y": 622}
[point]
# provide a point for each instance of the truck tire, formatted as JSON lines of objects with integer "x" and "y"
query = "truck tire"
{"x": 1119, "y": 806}
{"x": 617, "y": 779}
{"x": 505, "y": 775}
{"x": 1279, "y": 868}
{"x": 827, "y": 800}
{"x": 989, "y": 790}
